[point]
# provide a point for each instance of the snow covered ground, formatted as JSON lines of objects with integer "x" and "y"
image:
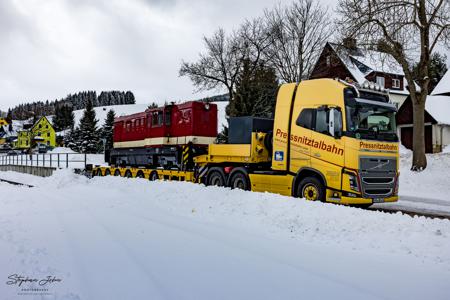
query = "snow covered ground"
{"x": 118, "y": 238}
{"x": 428, "y": 190}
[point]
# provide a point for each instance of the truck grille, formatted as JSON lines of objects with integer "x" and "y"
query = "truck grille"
{"x": 377, "y": 176}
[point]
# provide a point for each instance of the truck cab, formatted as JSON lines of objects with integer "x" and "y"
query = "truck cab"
{"x": 338, "y": 143}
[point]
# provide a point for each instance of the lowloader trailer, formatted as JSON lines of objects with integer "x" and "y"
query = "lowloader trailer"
{"x": 329, "y": 140}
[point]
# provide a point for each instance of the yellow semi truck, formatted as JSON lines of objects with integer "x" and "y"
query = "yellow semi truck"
{"x": 329, "y": 140}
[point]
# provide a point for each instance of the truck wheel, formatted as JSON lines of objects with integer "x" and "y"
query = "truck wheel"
{"x": 216, "y": 178}
{"x": 107, "y": 172}
{"x": 240, "y": 181}
{"x": 128, "y": 174}
{"x": 116, "y": 172}
{"x": 99, "y": 172}
{"x": 311, "y": 189}
{"x": 153, "y": 176}
{"x": 140, "y": 174}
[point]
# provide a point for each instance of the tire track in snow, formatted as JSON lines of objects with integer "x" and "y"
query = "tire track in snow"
{"x": 200, "y": 232}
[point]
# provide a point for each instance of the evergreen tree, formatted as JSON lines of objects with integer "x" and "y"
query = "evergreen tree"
{"x": 107, "y": 129}
{"x": 152, "y": 105}
{"x": 88, "y": 140}
{"x": 255, "y": 93}
{"x": 438, "y": 68}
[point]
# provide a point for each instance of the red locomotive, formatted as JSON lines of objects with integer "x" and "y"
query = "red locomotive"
{"x": 162, "y": 137}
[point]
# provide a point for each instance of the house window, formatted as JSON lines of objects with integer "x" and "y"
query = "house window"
{"x": 46, "y": 126}
{"x": 40, "y": 125}
{"x": 380, "y": 81}
{"x": 396, "y": 83}
{"x": 48, "y": 134}
{"x": 328, "y": 59}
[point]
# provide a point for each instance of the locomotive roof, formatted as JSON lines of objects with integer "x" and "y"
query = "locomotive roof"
{"x": 143, "y": 114}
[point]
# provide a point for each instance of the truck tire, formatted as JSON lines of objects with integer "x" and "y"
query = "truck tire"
{"x": 140, "y": 174}
{"x": 215, "y": 178}
{"x": 311, "y": 189}
{"x": 128, "y": 174}
{"x": 107, "y": 172}
{"x": 153, "y": 176}
{"x": 117, "y": 172}
{"x": 99, "y": 172}
{"x": 240, "y": 180}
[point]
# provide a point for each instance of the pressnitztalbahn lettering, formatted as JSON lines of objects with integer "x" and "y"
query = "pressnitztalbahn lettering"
{"x": 311, "y": 142}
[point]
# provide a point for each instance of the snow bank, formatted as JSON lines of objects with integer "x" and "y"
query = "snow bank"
{"x": 433, "y": 182}
{"x": 118, "y": 238}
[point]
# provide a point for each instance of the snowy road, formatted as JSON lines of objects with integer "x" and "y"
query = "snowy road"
{"x": 114, "y": 238}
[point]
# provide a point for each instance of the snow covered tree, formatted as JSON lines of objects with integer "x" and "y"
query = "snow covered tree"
{"x": 107, "y": 129}
{"x": 88, "y": 140}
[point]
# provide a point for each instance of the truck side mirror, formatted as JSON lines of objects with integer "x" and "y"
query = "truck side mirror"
{"x": 331, "y": 129}
{"x": 335, "y": 122}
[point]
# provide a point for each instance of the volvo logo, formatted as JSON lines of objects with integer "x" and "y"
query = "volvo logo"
{"x": 380, "y": 165}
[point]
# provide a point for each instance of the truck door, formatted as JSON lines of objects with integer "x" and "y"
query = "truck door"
{"x": 327, "y": 149}
{"x": 301, "y": 130}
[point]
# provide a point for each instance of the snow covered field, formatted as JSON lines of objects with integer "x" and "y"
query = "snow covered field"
{"x": 118, "y": 238}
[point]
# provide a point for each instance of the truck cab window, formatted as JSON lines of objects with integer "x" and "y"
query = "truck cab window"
{"x": 305, "y": 118}
{"x": 321, "y": 124}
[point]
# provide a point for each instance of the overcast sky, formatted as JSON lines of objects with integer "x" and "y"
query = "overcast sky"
{"x": 50, "y": 48}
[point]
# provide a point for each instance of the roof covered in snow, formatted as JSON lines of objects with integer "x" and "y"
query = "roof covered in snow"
{"x": 361, "y": 63}
{"x": 443, "y": 87}
{"x": 439, "y": 108}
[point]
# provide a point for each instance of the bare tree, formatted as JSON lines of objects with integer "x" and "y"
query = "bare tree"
{"x": 218, "y": 67}
{"x": 406, "y": 29}
{"x": 299, "y": 33}
{"x": 224, "y": 58}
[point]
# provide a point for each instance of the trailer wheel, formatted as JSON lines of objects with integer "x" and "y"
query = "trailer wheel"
{"x": 311, "y": 189}
{"x": 153, "y": 176}
{"x": 140, "y": 174}
{"x": 128, "y": 174}
{"x": 216, "y": 178}
{"x": 107, "y": 172}
{"x": 240, "y": 181}
{"x": 117, "y": 172}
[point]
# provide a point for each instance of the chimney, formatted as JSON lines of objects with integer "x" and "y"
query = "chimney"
{"x": 349, "y": 43}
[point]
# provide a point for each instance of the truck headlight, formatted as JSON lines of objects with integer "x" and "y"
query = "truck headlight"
{"x": 353, "y": 180}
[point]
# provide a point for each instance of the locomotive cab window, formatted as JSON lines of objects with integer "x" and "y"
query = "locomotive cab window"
{"x": 157, "y": 119}
{"x": 167, "y": 117}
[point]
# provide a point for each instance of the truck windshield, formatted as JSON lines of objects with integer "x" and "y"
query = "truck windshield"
{"x": 368, "y": 120}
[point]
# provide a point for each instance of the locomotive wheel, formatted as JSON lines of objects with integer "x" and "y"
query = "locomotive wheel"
{"x": 117, "y": 172}
{"x": 311, "y": 189}
{"x": 128, "y": 174}
{"x": 216, "y": 178}
{"x": 107, "y": 172}
{"x": 153, "y": 176}
{"x": 240, "y": 181}
{"x": 140, "y": 174}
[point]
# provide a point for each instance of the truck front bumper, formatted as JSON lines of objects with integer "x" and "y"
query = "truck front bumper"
{"x": 355, "y": 200}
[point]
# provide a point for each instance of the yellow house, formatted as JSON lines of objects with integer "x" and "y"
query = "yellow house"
{"x": 43, "y": 132}
{"x": 3, "y": 122}
{"x": 23, "y": 140}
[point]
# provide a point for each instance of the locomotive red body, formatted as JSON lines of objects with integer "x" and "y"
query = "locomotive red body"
{"x": 158, "y": 136}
